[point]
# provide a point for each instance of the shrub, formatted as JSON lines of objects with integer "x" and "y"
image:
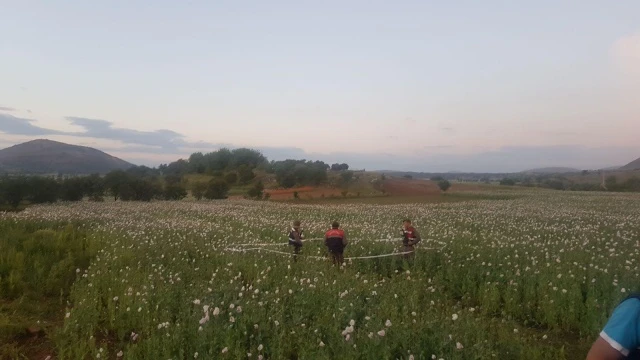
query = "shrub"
{"x": 217, "y": 189}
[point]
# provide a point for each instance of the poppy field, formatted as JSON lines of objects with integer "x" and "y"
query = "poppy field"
{"x": 532, "y": 276}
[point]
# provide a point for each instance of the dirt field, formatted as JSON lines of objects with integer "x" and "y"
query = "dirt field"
{"x": 306, "y": 192}
{"x": 393, "y": 187}
{"x": 418, "y": 187}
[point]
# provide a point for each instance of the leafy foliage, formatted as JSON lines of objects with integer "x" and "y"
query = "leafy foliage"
{"x": 256, "y": 192}
{"x": 217, "y": 189}
{"x": 339, "y": 167}
{"x": 444, "y": 185}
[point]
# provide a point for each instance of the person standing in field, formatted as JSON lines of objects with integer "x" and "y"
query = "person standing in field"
{"x": 296, "y": 235}
{"x": 620, "y": 338}
{"x": 335, "y": 240}
{"x": 410, "y": 237}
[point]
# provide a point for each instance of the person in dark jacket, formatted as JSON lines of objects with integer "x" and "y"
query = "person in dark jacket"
{"x": 336, "y": 240}
{"x": 410, "y": 237}
{"x": 296, "y": 235}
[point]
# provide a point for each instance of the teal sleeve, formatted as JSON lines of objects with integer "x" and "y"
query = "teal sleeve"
{"x": 623, "y": 327}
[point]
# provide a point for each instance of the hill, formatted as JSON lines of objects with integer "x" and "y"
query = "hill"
{"x": 552, "y": 170}
{"x": 47, "y": 157}
{"x": 634, "y": 165}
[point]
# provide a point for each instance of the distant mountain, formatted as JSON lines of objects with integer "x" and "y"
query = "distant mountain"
{"x": 634, "y": 165}
{"x": 52, "y": 157}
{"x": 552, "y": 170}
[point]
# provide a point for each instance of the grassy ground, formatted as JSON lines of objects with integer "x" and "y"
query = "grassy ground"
{"x": 492, "y": 292}
{"x": 38, "y": 265}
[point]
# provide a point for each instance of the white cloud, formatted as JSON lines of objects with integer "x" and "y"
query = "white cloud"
{"x": 626, "y": 54}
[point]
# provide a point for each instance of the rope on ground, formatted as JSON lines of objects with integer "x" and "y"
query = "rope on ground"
{"x": 324, "y": 257}
{"x": 316, "y": 239}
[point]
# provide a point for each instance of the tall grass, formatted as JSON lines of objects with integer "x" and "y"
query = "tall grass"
{"x": 38, "y": 264}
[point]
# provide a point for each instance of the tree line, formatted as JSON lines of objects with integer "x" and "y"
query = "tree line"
{"x": 167, "y": 182}
{"x": 136, "y": 184}
{"x": 238, "y": 166}
{"x": 555, "y": 182}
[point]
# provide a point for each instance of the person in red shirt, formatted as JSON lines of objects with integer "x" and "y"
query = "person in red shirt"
{"x": 336, "y": 240}
{"x": 410, "y": 237}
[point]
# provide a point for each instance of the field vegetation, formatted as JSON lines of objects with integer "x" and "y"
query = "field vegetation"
{"x": 511, "y": 275}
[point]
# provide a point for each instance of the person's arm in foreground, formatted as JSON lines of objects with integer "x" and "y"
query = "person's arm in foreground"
{"x": 619, "y": 336}
{"x": 601, "y": 350}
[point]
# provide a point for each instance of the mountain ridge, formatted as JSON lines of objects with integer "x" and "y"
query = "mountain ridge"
{"x": 44, "y": 156}
{"x": 634, "y": 165}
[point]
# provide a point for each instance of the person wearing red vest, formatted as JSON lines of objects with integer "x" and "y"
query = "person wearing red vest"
{"x": 410, "y": 237}
{"x": 336, "y": 240}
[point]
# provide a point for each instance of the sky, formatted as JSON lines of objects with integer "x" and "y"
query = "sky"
{"x": 485, "y": 86}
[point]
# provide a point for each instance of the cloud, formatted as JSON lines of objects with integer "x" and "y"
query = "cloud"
{"x": 10, "y": 124}
{"x": 430, "y": 147}
{"x": 152, "y": 147}
{"x": 4, "y": 108}
{"x": 447, "y": 130}
{"x": 626, "y": 53}
{"x": 102, "y": 129}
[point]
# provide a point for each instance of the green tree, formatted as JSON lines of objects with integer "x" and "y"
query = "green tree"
{"x": 248, "y": 157}
{"x": 245, "y": 174}
{"x": 198, "y": 190}
{"x": 94, "y": 187}
{"x": 175, "y": 191}
{"x": 231, "y": 178}
{"x": 179, "y": 167}
{"x": 256, "y": 191}
{"x": 197, "y": 163}
{"x": 115, "y": 181}
{"x": 611, "y": 182}
{"x": 444, "y": 185}
{"x": 146, "y": 189}
{"x": 72, "y": 189}
{"x": 217, "y": 189}
{"x": 140, "y": 190}
{"x": 42, "y": 190}
{"x": 632, "y": 184}
{"x": 346, "y": 177}
{"x": 14, "y": 190}
{"x": 507, "y": 182}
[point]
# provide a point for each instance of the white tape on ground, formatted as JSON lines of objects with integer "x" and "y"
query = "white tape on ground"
{"x": 325, "y": 257}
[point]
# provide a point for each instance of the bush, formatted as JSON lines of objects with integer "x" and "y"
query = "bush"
{"x": 256, "y": 191}
{"x": 444, "y": 185}
{"x": 14, "y": 190}
{"x": 41, "y": 260}
{"x": 245, "y": 174}
{"x": 217, "y": 189}
{"x": 72, "y": 189}
{"x": 174, "y": 192}
{"x": 507, "y": 182}
{"x": 42, "y": 190}
{"x": 346, "y": 177}
{"x": 198, "y": 190}
{"x": 231, "y": 178}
